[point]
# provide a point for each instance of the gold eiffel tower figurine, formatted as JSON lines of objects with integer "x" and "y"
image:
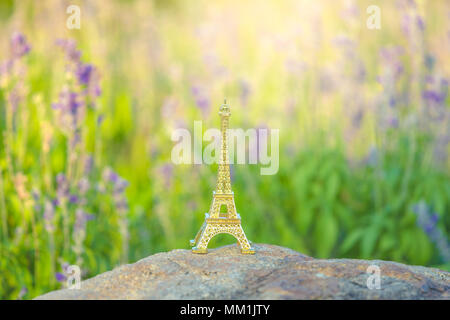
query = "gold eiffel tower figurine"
{"x": 217, "y": 221}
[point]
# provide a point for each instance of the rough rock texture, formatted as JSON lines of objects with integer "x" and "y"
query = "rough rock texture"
{"x": 272, "y": 273}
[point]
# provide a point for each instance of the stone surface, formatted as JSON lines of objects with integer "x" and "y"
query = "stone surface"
{"x": 272, "y": 273}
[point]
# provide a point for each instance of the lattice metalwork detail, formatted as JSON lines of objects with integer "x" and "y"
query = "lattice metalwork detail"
{"x": 212, "y": 229}
{"x": 217, "y": 222}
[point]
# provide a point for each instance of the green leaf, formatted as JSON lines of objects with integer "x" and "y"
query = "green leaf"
{"x": 332, "y": 186}
{"x": 351, "y": 240}
{"x": 369, "y": 241}
{"x": 325, "y": 234}
{"x": 387, "y": 242}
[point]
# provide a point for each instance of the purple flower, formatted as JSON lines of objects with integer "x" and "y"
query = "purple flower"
{"x": 70, "y": 105}
{"x": 62, "y": 188}
{"x": 113, "y": 177}
{"x": 390, "y": 58}
{"x": 427, "y": 220}
{"x": 100, "y": 119}
{"x": 83, "y": 186}
{"x": 49, "y": 213}
{"x": 118, "y": 188}
{"x": 84, "y": 73}
{"x": 87, "y": 75}
{"x": 19, "y": 45}
{"x": 5, "y": 67}
{"x": 372, "y": 157}
{"x": 420, "y": 23}
{"x": 36, "y": 198}
{"x": 167, "y": 173}
{"x": 60, "y": 277}
{"x": 88, "y": 164}
{"x": 22, "y": 293}
{"x": 68, "y": 102}
{"x": 350, "y": 11}
{"x": 347, "y": 45}
{"x": 120, "y": 185}
{"x": 201, "y": 98}
{"x": 245, "y": 91}
{"x": 357, "y": 118}
{"x": 110, "y": 177}
{"x": 70, "y": 48}
{"x": 73, "y": 198}
{"x": 433, "y": 96}
{"x": 392, "y": 122}
{"x": 81, "y": 218}
{"x": 13, "y": 98}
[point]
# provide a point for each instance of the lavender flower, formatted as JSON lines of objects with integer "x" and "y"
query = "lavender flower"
{"x": 49, "y": 214}
{"x": 70, "y": 47}
{"x": 88, "y": 164}
{"x": 201, "y": 98}
{"x": 432, "y": 96}
{"x": 350, "y": 11}
{"x": 73, "y": 198}
{"x": 5, "y": 68}
{"x": 427, "y": 220}
{"x": 346, "y": 44}
{"x": 85, "y": 73}
{"x": 357, "y": 118}
{"x": 100, "y": 119}
{"x": 70, "y": 110}
{"x": 62, "y": 188}
{"x": 22, "y": 293}
{"x": 166, "y": 172}
{"x": 245, "y": 91}
{"x": 19, "y": 45}
{"x": 169, "y": 108}
{"x": 118, "y": 185}
{"x": 12, "y": 72}
{"x": 372, "y": 157}
{"x": 88, "y": 76}
{"x": 36, "y": 200}
{"x": 83, "y": 186}
{"x": 60, "y": 277}
{"x": 391, "y": 70}
{"x": 81, "y": 218}
{"x": 437, "y": 90}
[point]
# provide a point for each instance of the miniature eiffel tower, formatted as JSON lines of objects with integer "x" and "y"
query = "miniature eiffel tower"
{"x": 215, "y": 221}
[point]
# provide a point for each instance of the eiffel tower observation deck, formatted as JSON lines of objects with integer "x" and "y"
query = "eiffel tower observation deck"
{"x": 217, "y": 220}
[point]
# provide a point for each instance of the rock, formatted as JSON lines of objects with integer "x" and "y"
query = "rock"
{"x": 272, "y": 273}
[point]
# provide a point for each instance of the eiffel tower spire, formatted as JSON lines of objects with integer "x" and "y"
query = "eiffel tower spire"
{"x": 223, "y": 175}
{"x": 216, "y": 221}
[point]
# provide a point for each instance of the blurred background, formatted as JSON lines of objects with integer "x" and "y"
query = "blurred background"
{"x": 86, "y": 117}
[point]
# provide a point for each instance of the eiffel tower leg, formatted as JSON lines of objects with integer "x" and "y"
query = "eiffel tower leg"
{"x": 201, "y": 244}
{"x": 239, "y": 234}
{"x": 197, "y": 236}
